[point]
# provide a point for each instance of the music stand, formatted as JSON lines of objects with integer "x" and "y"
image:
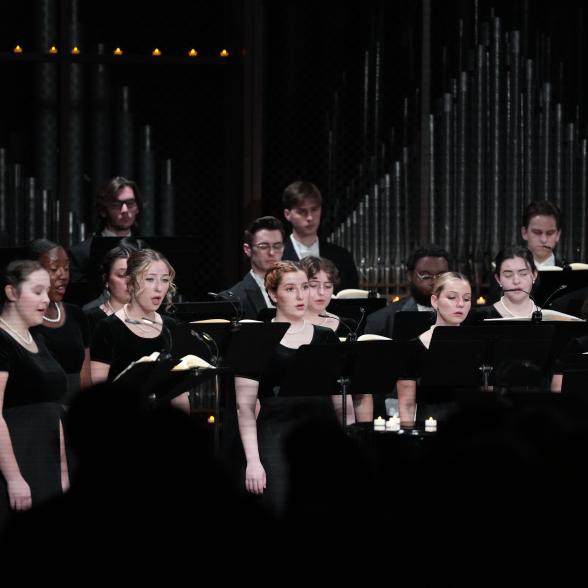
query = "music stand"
{"x": 355, "y": 308}
{"x": 188, "y": 312}
{"x": 523, "y": 344}
{"x": 550, "y": 281}
{"x": 411, "y": 323}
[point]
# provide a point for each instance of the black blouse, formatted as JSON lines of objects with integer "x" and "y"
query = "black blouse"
{"x": 32, "y": 377}
{"x": 115, "y": 344}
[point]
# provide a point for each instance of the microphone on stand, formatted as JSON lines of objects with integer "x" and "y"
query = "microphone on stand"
{"x": 167, "y": 338}
{"x": 537, "y": 316}
{"x": 210, "y": 344}
{"x": 229, "y": 298}
{"x": 352, "y": 333}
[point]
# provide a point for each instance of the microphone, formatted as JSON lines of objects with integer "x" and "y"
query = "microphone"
{"x": 167, "y": 338}
{"x": 352, "y": 333}
{"x": 537, "y": 316}
{"x": 210, "y": 344}
{"x": 229, "y": 298}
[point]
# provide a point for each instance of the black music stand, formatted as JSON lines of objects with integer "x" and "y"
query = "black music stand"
{"x": 505, "y": 352}
{"x": 188, "y": 312}
{"x": 356, "y": 309}
{"x": 411, "y": 323}
{"x": 550, "y": 281}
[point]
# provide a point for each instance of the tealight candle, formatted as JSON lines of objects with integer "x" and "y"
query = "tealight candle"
{"x": 379, "y": 423}
{"x": 393, "y": 424}
{"x": 430, "y": 425}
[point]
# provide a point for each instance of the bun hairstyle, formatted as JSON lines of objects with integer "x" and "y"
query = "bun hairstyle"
{"x": 444, "y": 279}
{"x": 138, "y": 263}
{"x": 313, "y": 265}
{"x": 15, "y": 274}
{"x": 510, "y": 253}
{"x": 273, "y": 276}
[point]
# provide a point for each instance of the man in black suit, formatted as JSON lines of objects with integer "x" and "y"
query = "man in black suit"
{"x": 302, "y": 203}
{"x": 422, "y": 266}
{"x": 118, "y": 206}
{"x": 263, "y": 245}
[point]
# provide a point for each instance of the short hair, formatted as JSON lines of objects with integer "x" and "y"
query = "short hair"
{"x": 269, "y": 223}
{"x": 137, "y": 264}
{"x": 430, "y": 250}
{"x": 16, "y": 273}
{"x": 313, "y": 265}
{"x": 511, "y": 252}
{"x": 273, "y": 276}
{"x": 111, "y": 190}
{"x": 296, "y": 192}
{"x": 541, "y": 208}
{"x": 39, "y": 247}
{"x": 444, "y": 279}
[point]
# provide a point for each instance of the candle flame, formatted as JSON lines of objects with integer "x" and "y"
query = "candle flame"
{"x": 481, "y": 300}
{"x": 17, "y": 49}
{"x": 118, "y": 51}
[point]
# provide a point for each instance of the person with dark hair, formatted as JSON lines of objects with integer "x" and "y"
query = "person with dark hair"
{"x": 451, "y": 299}
{"x": 32, "y": 386}
{"x": 423, "y": 266}
{"x": 64, "y": 326}
{"x": 302, "y": 203}
{"x": 322, "y": 278}
{"x": 114, "y": 277}
{"x": 515, "y": 274}
{"x": 263, "y": 245}
{"x": 262, "y": 437}
{"x": 118, "y": 207}
{"x": 541, "y": 230}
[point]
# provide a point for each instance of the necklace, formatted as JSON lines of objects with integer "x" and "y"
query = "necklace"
{"x": 510, "y": 313}
{"x": 299, "y": 330}
{"x": 26, "y": 340}
{"x": 135, "y": 322}
{"x": 108, "y": 306}
{"x": 54, "y": 320}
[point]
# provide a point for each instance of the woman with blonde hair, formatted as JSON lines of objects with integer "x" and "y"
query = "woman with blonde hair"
{"x": 451, "y": 300}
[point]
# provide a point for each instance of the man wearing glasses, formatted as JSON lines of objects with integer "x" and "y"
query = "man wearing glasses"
{"x": 302, "y": 202}
{"x": 263, "y": 245}
{"x": 118, "y": 206}
{"x": 422, "y": 268}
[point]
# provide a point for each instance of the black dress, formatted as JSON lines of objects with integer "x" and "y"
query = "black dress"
{"x": 432, "y": 401}
{"x": 32, "y": 411}
{"x": 279, "y": 415}
{"x": 93, "y": 316}
{"x": 115, "y": 344}
{"x": 68, "y": 344}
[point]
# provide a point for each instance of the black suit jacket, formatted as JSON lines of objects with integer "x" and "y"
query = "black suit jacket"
{"x": 381, "y": 322}
{"x": 338, "y": 255}
{"x": 249, "y": 297}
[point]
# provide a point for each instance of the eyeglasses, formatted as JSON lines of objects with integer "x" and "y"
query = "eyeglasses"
{"x": 427, "y": 277}
{"x": 118, "y": 204}
{"x": 267, "y": 246}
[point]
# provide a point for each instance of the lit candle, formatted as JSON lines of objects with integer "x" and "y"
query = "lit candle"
{"x": 430, "y": 425}
{"x": 379, "y": 423}
{"x": 393, "y": 424}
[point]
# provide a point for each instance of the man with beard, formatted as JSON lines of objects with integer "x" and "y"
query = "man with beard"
{"x": 423, "y": 266}
{"x": 118, "y": 206}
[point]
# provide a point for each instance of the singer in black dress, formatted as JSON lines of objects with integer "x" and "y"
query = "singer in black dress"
{"x": 515, "y": 273}
{"x": 64, "y": 326}
{"x": 451, "y": 299}
{"x": 32, "y": 385}
{"x": 137, "y": 329}
{"x": 323, "y": 277}
{"x": 267, "y": 471}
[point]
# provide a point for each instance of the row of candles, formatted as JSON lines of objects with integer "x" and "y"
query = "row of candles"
{"x": 393, "y": 424}
{"x": 119, "y": 52}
